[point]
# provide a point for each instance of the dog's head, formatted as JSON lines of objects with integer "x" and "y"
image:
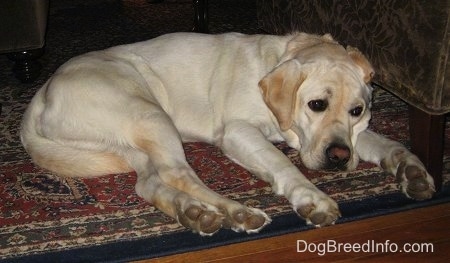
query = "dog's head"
{"x": 320, "y": 96}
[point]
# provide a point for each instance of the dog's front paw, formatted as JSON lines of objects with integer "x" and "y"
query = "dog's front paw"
{"x": 317, "y": 208}
{"x": 415, "y": 181}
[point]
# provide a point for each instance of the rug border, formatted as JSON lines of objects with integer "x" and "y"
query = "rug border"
{"x": 186, "y": 241}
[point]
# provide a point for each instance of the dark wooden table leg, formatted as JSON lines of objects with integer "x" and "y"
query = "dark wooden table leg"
{"x": 200, "y": 16}
{"x": 427, "y": 141}
{"x": 27, "y": 67}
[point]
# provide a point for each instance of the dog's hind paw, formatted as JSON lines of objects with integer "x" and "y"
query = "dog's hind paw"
{"x": 202, "y": 219}
{"x": 250, "y": 220}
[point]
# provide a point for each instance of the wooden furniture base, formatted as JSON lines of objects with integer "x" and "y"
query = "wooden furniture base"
{"x": 201, "y": 16}
{"x": 27, "y": 67}
{"x": 427, "y": 141}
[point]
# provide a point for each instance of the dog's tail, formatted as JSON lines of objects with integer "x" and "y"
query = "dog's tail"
{"x": 62, "y": 159}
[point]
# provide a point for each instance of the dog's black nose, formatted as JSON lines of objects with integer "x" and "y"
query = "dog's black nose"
{"x": 338, "y": 156}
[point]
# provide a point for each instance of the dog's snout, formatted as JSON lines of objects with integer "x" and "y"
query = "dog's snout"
{"x": 338, "y": 156}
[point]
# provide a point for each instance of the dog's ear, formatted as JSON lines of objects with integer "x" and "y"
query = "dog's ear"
{"x": 362, "y": 62}
{"x": 279, "y": 88}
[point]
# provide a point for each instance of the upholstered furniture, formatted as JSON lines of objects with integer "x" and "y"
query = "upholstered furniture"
{"x": 22, "y": 34}
{"x": 408, "y": 44}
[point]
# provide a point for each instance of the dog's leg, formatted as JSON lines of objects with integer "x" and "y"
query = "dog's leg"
{"x": 393, "y": 157}
{"x": 201, "y": 217}
{"x": 248, "y": 146}
{"x": 176, "y": 181}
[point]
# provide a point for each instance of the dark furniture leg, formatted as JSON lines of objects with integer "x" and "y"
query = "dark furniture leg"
{"x": 27, "y": 67}
{"x": 427, "y": 141}
{"x": 200, "y": 16}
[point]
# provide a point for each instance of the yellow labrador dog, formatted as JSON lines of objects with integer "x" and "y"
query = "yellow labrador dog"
{"x": 130, "y": 107}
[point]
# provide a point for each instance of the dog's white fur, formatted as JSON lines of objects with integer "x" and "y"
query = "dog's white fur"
{"x": 130, "y": 107}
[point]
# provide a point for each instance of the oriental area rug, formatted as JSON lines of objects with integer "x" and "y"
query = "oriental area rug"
{"x": 44, "y": 218}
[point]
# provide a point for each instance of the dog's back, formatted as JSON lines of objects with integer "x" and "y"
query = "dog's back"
{"x": 198, "y": 80}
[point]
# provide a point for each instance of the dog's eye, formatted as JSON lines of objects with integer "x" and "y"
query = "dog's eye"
{"x": 355, "y": 112}
{"x": 318, "y": 105}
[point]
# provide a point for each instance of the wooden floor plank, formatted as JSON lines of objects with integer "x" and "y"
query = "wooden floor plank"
{"x": 418, "y": 227}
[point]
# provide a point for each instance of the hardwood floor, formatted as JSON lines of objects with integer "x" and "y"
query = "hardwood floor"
{"x": 419, "y": 229}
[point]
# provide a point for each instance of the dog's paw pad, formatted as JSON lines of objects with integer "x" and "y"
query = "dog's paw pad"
{"x": 305, "y": 211}
{"x": 322, "y": 213}
{"x": 193, "y": 212}
{"x": 415, "y": 182}
{"x": 250, "y": 220}
{"x": 323, "y": 218}
{"x": 209, "y": 222}
{"x": 201, "y": 220}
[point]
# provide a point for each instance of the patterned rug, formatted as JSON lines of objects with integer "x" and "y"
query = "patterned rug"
{"x": 44, "y": 218}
